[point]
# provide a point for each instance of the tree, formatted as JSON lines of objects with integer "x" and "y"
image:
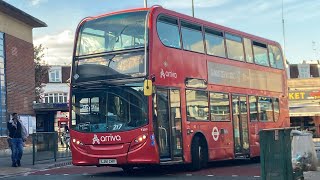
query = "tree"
{"x": 41, "y": 69}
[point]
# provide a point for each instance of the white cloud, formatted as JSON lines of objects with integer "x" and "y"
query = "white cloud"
{"x": 36, "y": 2}
{"x": 58, "y": 47}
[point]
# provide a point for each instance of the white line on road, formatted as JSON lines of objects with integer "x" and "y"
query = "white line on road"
{"x": 256, "y": 176}
{"x": 234, "y": 175}
{"x": 210, "y": 175}
{"x": 47, "y": 174}
{"x": 188, "y": 174}
{"x": 66, "y": 174}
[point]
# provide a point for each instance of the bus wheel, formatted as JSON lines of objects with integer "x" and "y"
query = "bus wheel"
{"x": 199, "y": 153}
{"x": 127, "y": 169}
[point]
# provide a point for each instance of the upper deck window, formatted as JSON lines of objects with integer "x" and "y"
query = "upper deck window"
{"x": 215, "y": 43}
{"x": 275, "y": 55}
{"x": 112, "y": 33}
{"x": 234, "y": 47}
{"x": 260, "y": 53}
{"x": 192, "y": 37}
{"x": 168, "y": 31}
{"x": 248, "y": 50}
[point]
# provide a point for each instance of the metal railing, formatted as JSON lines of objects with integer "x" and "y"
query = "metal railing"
{"x": 48, "y": 146}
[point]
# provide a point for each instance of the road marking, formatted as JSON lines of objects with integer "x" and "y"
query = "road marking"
{"x": 210, "y": 175}
{"x": 256, "y": 176}
{"x": 188, "y": 174}
{"x": 66, "y": 174}
{"x": 47, "y": 174}
{"x": 234, "y": 175}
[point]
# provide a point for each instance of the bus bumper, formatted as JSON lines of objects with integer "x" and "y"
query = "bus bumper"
{"x": 85, "y": 156}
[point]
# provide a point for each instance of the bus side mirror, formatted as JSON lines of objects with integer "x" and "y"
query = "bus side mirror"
{"x": 147, "y": 87}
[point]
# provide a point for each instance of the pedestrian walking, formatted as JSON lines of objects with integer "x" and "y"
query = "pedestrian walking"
{"x": 67, "y": 137}
{"x": 16, "y": 138}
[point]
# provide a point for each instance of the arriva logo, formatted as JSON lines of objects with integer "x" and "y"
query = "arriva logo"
{"x": 107, "y": 138}
{"x": 164, "y": 74}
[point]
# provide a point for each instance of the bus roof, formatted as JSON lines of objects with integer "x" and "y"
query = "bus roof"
{"x": 190, "y": 19}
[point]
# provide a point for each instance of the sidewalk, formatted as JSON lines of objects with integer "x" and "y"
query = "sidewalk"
{"x": 26, "y": 165}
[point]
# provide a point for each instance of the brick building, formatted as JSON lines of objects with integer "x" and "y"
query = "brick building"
{"x": 17, "y": 74}
{"x": 304, "y": 95}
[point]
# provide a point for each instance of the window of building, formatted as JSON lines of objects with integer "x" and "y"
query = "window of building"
{"x": 55, "y": 75}
{"x": 55, "y": 98}
{"x": 168, "y": 31}
{"x": 234, "y": 47}
{"x": 215, "y": 43}
{"x": 3, "y": 89}
{"x": 275, "y": 55}
{"x": 219, "y": 107}
{"x": 192, "y": 37}
{"x": 253, "y": 103}
{"x": 265, "y": 109}
{"x": 304, "y": 70}
{"x": 260, "y": 54}
{"x": 248, "y": 50}
{"x": 197, "y": 105}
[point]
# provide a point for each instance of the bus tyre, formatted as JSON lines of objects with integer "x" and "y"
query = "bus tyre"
{"x": 199, "y": 154}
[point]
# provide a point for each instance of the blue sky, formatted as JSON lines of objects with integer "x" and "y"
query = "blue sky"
{"x": 259, "y": 17}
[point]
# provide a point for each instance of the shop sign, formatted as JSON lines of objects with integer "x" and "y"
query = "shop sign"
{"x": 304, "y": 95}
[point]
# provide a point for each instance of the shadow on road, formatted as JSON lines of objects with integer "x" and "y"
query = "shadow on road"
{"x": 162, "y": 171}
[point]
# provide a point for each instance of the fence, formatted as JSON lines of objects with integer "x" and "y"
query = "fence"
{"x": 49, "y": 146}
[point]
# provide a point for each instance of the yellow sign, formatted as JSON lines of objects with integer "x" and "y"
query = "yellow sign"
{"x": 296, "y": 95}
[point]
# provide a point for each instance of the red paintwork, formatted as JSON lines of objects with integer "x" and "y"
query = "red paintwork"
{"x": 184, "y": 64}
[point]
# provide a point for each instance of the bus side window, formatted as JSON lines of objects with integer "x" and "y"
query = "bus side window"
{"x": 192, "y": 37}
{"x": 253, "y": 108}
{"x": 215, "y": 43}
{"x": 275, "y": 55}
{"x": 168, "y": 31}
{"x": 276, "y": 109}
{"x": 234, "y": 47}
{"x": 260, "y": 53}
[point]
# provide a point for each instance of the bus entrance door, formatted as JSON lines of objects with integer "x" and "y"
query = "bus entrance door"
{"x": 240, "y": 126}
{"x": 167, "y": 124}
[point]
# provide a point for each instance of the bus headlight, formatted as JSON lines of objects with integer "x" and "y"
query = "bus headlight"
{"x": 138, "y": 142}
{"x": 75, "y": 141}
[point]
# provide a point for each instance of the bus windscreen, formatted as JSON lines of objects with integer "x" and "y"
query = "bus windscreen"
{"x": 112, "y": 33}
{"x": 109, "y": 109}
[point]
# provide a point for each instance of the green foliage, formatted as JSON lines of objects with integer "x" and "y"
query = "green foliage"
{"x": 41, "y": 69}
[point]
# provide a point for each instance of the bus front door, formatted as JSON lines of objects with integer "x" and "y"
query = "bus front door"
{"x": 240, "y": 126}
{"x": 167, "y": 124}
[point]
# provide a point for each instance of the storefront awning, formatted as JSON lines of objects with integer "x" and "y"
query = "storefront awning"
{"x": 304, "y": 111}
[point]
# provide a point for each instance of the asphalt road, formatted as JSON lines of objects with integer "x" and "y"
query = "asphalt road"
{"x": 225, "y": 170}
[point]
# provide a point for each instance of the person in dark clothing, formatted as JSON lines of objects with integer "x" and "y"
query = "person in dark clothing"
{"x": 15, "y": 138}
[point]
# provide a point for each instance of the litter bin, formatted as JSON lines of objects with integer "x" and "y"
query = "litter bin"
{"x": 275, "y": 155}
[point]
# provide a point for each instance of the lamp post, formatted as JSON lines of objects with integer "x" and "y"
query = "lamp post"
{"x": 283, "y": 32}
{"x": 145, "y": 3}
{"x": 192, "y": 9}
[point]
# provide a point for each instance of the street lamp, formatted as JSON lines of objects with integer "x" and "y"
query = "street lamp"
{"x": 192, "y": 9}
{"x": 145, "y": 3}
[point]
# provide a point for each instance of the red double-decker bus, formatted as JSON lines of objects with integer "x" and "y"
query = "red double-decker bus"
{"x": 153, "y": 86}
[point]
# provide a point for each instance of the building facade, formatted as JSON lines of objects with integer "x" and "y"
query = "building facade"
{"x": 17, "y": 74}
{"x": 304, "y": 95}
{"x": 52, "y": 111}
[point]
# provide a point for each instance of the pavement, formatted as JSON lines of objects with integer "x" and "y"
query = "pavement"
{"x": 27, "y": 165}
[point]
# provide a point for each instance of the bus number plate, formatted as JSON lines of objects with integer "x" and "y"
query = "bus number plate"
{"x": 107, "y": 161}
